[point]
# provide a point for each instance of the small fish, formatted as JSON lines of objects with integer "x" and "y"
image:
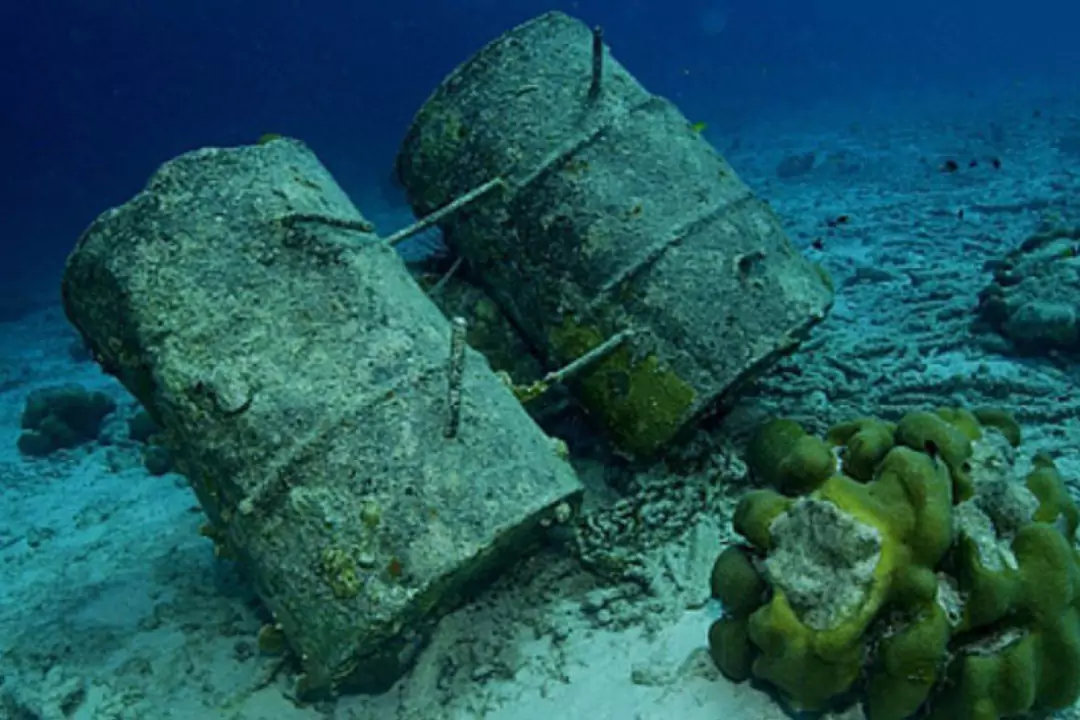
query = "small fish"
{"x": 960, "y": 214}
{"x": 838, "y": 220}
{"x": 973, "y": 163}
{"x": 698, "y": 127}
{"x": 818, "y": 244}
{"x": 995, "y": 163}
{"x": 949, "y": 166}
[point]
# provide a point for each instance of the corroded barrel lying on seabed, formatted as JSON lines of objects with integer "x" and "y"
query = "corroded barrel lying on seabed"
{"x": 614, "y": 215}
{"x": 302, "y": 380}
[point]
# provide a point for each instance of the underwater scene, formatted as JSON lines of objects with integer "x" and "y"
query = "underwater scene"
{"x": 528, "y": 361}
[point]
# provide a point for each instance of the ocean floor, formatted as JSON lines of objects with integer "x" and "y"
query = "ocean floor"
{"x": 112, "y": 605}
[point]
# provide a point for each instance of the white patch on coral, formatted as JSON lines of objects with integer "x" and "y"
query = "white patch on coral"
{"x": 992, "y": 458}
{"x": 973, "y": 523}
{"x": 950, "y": 600}
{"x": 823, "y": 559}
{"x": 1002, "y": 502}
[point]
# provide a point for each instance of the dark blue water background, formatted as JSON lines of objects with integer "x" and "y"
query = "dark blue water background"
{"x": 97, "y": 93}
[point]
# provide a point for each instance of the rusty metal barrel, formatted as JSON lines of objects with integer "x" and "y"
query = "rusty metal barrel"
{"x": 365, "y": 467}
{"x": 614, "y": 215}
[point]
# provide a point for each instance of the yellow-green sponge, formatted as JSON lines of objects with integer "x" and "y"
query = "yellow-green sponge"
{"x": 865, "y": 442}
{"x": 783, "y": 456}
{"x": 736, "y": 583}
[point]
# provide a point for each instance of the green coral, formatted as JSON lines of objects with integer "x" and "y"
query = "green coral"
{"x": 865, "y": 441}
{"x": 907, "y": 664}
{"x": 963, "y": 420}
{"x": 908, "y": 507}
{"x": 909, "y": 502}
{"x": 755, "y": 513}
{"x": 1055, "y": 503}
{"x": 1031, "y": 662}
{"x": 784, "y": 456}
{"x": 934, "y": 434}
{"x": 643, "y": 404}
{"x": 736, "y": 583}
{"x": 1002, "y": 421}
{"x": 731, "y": 649}
{"x": 948, "y": 609}
{"x": 809, "y": 666}
{"x": 739, "y": 587}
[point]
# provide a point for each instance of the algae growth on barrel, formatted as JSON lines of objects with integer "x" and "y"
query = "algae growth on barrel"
{"x": 614, "y": 215}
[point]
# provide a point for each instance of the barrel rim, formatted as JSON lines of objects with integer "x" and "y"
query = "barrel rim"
{"x": 461, "y": 69}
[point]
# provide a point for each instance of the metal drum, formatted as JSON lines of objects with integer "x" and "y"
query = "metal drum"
{"x": 614, "y": 215}
{"x": 366, "y": 468}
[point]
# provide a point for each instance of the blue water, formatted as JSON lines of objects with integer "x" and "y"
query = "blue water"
{"x": 97, "y": 94}
{"x": 943, "y": 133}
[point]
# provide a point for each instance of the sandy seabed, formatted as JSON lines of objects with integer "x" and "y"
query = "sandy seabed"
{"x": 113, "y": 606}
